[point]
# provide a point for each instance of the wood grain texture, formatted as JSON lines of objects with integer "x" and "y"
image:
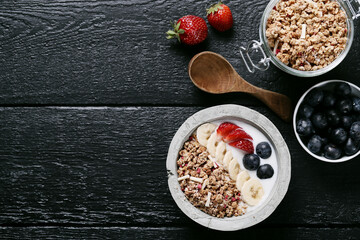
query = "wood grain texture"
{"x": 115, "y": 53}
{"x": 168, "y": 233}
{"x": 106, "y": 166}
{"x": 91, "y": 95}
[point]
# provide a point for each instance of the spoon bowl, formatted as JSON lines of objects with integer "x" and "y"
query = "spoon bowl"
{"x": 212, "y": 73}
{"x": 202, "y": 69}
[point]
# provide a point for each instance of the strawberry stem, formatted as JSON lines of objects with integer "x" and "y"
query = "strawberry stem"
{"x": 176, "y": 32}
{"x": 214, "y": 8}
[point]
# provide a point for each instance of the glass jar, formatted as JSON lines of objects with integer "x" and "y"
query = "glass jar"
{"x": 352, "y": 10}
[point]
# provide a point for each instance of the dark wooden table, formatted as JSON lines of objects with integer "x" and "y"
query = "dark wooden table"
{"x": 91, "y": 95}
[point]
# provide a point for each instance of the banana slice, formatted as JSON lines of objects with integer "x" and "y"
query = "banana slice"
{"x": 234, "y": 169}
{"x": 203, "y": 133}
{"x": 227, "y": 159}
{"x": 241, "y": 178}
{"x": 220, "y": 152}
{"x": 212, "y": 144}
{"x": 252, "y": 191}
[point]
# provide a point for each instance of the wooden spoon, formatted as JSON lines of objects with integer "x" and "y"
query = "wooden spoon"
{"x": 212, "y": 73}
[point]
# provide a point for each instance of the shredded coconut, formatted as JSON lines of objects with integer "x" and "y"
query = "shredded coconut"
{"x": 206, "y": 182}
{"x": 276, "y": 46}
{"x": 195, "y": 179}
{"x": 214, "y": 161}
{"x": 207, "y": 204}
{"x": 303, "y": 31}
{"x": 184, "y": 177}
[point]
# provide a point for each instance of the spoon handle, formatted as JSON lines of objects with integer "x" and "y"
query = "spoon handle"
{"x": 277, "y": 102}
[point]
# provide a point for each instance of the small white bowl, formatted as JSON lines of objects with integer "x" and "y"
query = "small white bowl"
{"x": 230, "y": 112}
{"x": 326, "y": 85}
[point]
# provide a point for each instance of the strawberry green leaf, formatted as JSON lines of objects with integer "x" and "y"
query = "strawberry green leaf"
{"x": 214, "y": 8}
{"x": 178, "y": 25}
{"x": 175, "y": 32}
{"x": 171, "y": 34}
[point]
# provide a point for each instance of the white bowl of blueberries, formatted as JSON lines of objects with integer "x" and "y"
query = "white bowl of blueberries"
{"x": 327, "y": 121}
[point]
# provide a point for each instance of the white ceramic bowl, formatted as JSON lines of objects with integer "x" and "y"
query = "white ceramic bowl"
{"x": 326, "y": 85}
{"x": 230, "y": 112}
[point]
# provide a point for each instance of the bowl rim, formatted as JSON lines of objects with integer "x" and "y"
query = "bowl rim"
{"x": 321, "y": 84}
{"x": 226, "y": 112}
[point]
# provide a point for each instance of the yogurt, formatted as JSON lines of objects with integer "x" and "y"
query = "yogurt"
{"x": 238, "y": 154}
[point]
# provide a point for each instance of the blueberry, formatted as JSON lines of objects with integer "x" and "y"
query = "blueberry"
{"x": 344, "y": 106}
{"x": 315, "y": 144}
{"x": 319, "y": 120}
{"x": 305, "y": 111}
{"x": 331, "y": 151}
{"x": 333, "y": 117}
{"x": 263, "y": 150}
{"x": 329, "y": 99}
{"x": 265, "y": 171}
{"x": 351, "y": 147}
{"x": 355, "y": 131}
{"x": 338, "y": 136}
{"x": 346, "y": 122}
{"x": 324, "y": 141}
{"x": 342, "y": 89}
{"x": 304, "y": 127}
{"x": 329, "y": 131}
{"x": 356, "y": 104}
{"x": 251, "y": 161}
{"x": 314, "y": 97}
{"x": 356, "y": 117}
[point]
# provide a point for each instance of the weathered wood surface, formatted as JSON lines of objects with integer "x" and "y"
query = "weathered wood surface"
{"x": 168, "y": 233}
{"x": 115, "y": 52}
{"x": 91, "y": 95}
{"x": 100, "y": 166}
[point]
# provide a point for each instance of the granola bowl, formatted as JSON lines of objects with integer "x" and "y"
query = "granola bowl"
{"x": 304, "y": 52}
{"x": 228, "y": 207}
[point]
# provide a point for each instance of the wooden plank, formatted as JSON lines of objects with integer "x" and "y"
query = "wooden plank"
{"x": 115, "y": 53}
{"x": 169, "y": 233}
{"x": 86, "y": 166}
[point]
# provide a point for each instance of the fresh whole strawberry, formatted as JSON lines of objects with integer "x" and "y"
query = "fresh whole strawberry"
{"x": 245, "y": 145}
{"x": 220, "y": 17}
{"x": 225, "y": 128}
{"x": 189, "y": 29}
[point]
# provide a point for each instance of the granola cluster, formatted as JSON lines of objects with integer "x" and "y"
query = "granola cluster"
{"x": 307, "y": 35}
{"x": 208, "y": 186}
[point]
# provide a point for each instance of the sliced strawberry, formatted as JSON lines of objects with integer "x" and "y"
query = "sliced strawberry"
{"x": 237, "y": 135}
{"x": 245, "y": 145}
{"x": 225, "y": 128}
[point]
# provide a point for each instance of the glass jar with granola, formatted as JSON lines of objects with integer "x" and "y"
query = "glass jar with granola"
{"x": 305, "y": 38}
